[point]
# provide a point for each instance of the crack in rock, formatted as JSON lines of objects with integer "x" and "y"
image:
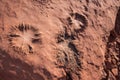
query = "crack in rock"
{"x": 112, "y": 55}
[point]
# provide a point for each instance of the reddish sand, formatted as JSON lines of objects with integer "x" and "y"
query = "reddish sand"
{"x": 59, "y": 39}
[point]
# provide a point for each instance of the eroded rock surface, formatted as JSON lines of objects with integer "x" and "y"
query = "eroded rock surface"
{"x": 60, "y": 39}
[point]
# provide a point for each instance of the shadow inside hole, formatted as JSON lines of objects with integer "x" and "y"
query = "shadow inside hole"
{"x": 112, "y": 36}
{"x": 72, "y": 47}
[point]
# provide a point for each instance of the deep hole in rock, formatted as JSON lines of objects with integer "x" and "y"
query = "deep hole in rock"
{"x": 68, "y": 76}
{"x": 112, "y": 36}
{"x": 81, "y": 18}
{"x": 22, "y": 37}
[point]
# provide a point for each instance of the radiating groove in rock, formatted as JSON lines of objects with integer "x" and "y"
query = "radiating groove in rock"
{"x": 14, "y": 35}
{"x": 36, "y": 40}
{"x": 26, "y": 35}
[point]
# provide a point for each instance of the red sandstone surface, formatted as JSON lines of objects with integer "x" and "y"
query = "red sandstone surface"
{"x": 59, "y": 39}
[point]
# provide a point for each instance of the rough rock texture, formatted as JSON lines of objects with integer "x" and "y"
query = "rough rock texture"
{"x": 59, "y": 39}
